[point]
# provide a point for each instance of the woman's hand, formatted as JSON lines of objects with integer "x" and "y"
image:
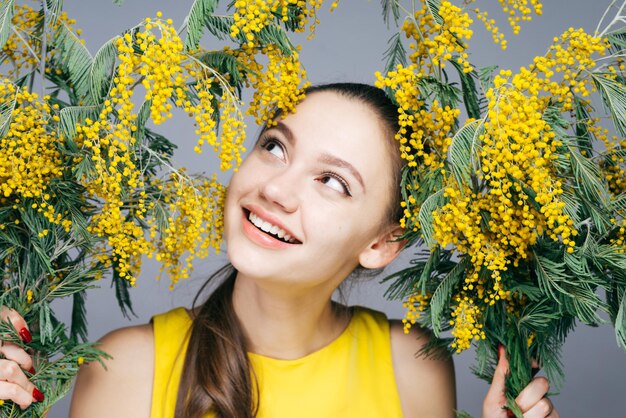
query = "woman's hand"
{"x": 14, "y": 384}
{"x": 532, "y": 400}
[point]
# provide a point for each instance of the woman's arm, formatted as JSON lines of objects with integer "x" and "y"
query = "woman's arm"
{"x": 426, "y": 385}
{"x": 124, "y": 389}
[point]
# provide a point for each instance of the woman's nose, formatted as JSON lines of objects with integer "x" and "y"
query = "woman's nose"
{"x": 281, "y": 190}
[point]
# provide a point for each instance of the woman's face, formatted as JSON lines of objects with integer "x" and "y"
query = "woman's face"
{"x": 311, "y": 197}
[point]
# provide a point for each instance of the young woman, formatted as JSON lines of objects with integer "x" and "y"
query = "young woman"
{"x": 314, "y": 200}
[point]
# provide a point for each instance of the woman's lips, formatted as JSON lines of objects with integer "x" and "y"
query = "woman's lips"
{"x": 262, "y": 238}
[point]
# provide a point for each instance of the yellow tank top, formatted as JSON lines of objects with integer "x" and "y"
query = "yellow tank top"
{"x": 350, "y": 377}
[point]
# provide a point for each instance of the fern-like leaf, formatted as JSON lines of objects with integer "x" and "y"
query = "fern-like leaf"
{"x": 102, "y": 71}
{"x": 6, "y": 113}
{"x": 440, "y": 300}
{"x": 462, "y": 150}
{"x": 470, "y": 92}
{"x": 391, "y": 9}
{"x": 53, "y": 9}
{"x": 614, "y": 98}
{"x": 620, "y": 323}
{"x": 6, "y": 15}
{"x": 425, "y": 217}
{"x": 196, "y": 21}
{"x": 76, "y": 59}
{"x": 395, "y": 53}
{"x": 433, "y": 8}
{"x": 75, "y": 115}
{"x": 589, "y": 178}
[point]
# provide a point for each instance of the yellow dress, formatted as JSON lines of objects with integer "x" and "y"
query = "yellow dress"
{"x": 350, "y": 377}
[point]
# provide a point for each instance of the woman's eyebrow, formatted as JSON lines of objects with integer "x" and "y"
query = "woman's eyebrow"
{"x": 338, "y": 162}
{"x": 284, "y": 129}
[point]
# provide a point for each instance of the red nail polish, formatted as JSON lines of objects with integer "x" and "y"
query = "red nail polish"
{"x": 31, "y": 370}
{"x": 25, "y": 335}
{"x": 38, "y": 396}
{"x": 500, "y": 350}
{"x": 510, "y": 414}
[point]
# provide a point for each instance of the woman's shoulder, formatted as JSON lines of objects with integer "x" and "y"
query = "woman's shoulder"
{"x": 125, "y": 377}
{"x": 425, "y": 383}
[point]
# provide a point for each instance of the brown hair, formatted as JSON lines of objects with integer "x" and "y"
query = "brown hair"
{"x": 217, "y": 375}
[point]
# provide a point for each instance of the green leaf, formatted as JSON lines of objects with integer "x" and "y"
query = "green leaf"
{"x": 470, "y": 93}
{"x": 614, "y": 98}
{"x": 395, "y": 53}
{"x": 6, "y": 113}
{"x": 447, "y": 93}
{"x": 54, "y": 9}
{"x": 45, "y": 323}
{"x": 583, "y": 135}
{"x": 589, "y": 179}
{"x": 142, "y": 118}
{"x": 442, "y": 296}
{"x": 78, "y": 329}
{"x": 461, "y": 152}
{"x": 223, "y": 63}
{"x": 390, "y": 8}
{"x": 549, "y": 276}
{"x": 618, "y": 203}
{"x": 219, "y": 26}
{"x": 433, "y": 7}
{"x": 538, "y": 316}
{"x": 6, "y": 15}
{"x": 74, "y": 57}
{"x": 196, "y": 20}
{"x": 620, "y": 323}
{"x": 122, "y": 294}
{"x": 486, "y": 76}
{"x": 272, "y": 34}
{"x": 425, "y": 217}
{"x": 75, "y": 115}
{"x": 102, "y": 71}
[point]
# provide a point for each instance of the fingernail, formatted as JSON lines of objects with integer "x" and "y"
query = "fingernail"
{"x": 31, "y": 370}
{"x": 510, "y": 413}
{"x": 25, "y": 335}
{"x": 500, "y": 350}
{"x": 38, "y": 396}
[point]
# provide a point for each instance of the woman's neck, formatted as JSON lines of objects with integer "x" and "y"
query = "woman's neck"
{"x": 287, "y": 325}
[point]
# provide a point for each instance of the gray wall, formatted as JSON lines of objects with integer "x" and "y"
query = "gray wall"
{"x": 348, "y": 46}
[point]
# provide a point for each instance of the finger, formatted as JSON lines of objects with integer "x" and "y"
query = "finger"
{"x": 14, "y": 385}
{"x": 13, "y": 352}
{"x": 18, "y": 323}
{"x": 502, "y": 370}
{"x": 533, "y": 393}
{"x": 11, "y": 372}
{"x": 495, "y": 400}
{"x": 541, "y": 409}
{"x": 16, "y": 393}
{"x": 554, "y": 413}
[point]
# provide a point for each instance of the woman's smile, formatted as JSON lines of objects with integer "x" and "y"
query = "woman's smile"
{"x": 267, "y": 231}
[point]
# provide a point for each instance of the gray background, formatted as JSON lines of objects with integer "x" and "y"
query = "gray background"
{"x": 348, "y": 46}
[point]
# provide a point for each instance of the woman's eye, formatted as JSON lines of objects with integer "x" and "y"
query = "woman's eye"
{"x": 274, "y": 147}
{"x": 336, "y": 183}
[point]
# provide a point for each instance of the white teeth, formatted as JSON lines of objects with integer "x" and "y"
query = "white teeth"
{"x": 268, "y": 227}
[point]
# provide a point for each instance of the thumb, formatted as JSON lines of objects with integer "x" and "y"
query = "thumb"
{"x": 496, "y": 398}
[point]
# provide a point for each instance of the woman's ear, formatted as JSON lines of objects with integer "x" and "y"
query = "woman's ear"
{"x": 384, "y": 249}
